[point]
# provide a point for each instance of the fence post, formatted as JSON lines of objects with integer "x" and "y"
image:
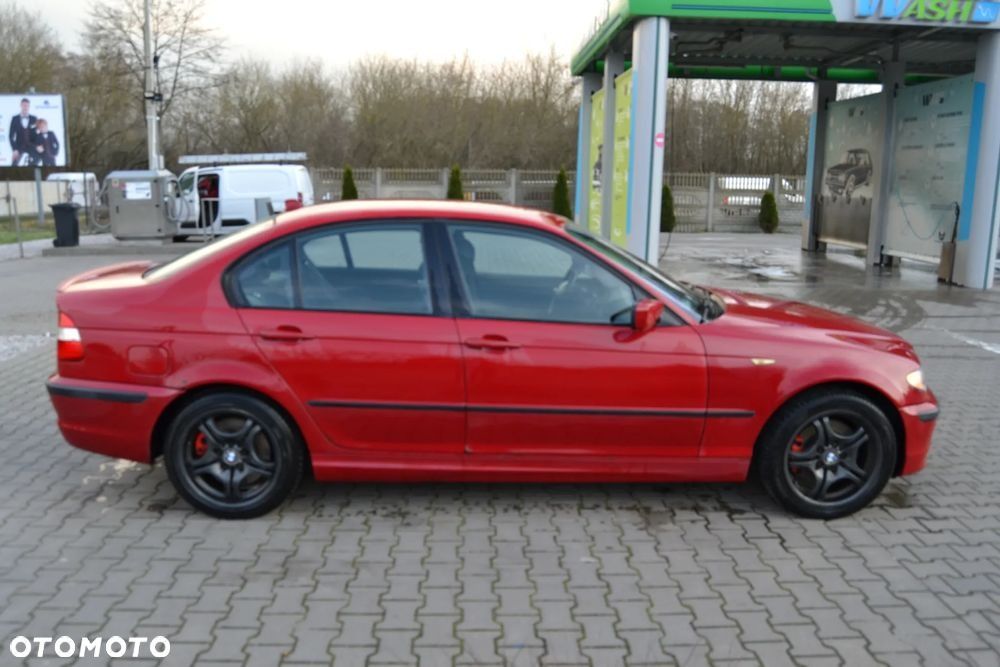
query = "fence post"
{"x": 445, "y": 176}
{"x": 514, "y": 181}
{"x": 17, "y": 229}
{"x": 39, "y": 197}
{"x": 378, "y": 182}
{"x": 711, "y": 203}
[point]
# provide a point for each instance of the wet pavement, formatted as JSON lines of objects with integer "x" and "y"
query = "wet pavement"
{"x": 596, "y": 575}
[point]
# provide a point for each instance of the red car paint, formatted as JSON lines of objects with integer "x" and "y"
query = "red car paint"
{"x": 403, "y": 397}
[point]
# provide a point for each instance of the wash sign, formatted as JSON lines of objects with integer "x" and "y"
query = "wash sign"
{"x": 975, "y": 12}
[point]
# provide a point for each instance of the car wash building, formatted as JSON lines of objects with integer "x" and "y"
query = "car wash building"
{"x": 910, "y": 172}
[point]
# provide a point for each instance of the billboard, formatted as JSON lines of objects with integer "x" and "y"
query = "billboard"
{"x": 596, "y": 156}
{"x": 619, "y": 190}
{"x": 853, "y": 157}
{"x": 927, "y": 186}
{"x": 35, "y": 131}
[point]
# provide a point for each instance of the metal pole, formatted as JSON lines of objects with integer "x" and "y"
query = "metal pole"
{"x": 152, "y": 128}
{"x": 17, "y": 229}
{"x": 38, "y": 196}
{"x": 88, "y": 201}
{"x": 710, "y": 216}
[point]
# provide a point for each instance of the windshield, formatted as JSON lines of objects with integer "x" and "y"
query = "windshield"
{"x": 207, "y": 250}
{"x": 677, "y": 292}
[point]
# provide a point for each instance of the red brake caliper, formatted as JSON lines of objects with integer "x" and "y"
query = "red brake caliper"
{"x": 798, "y": 445}
{"x": 200, "y": 445}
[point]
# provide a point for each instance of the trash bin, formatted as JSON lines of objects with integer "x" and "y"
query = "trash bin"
{"x": 67, "y": 225}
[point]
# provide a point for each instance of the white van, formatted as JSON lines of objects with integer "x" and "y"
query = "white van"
{"x": 220, "y": 200}
{"x": 81, "y": 187}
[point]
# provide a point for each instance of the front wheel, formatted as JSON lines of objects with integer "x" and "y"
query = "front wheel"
{"x": 850, "y": 187}
{"x": 827, "y": 455}
{"x": 232, "y": 456}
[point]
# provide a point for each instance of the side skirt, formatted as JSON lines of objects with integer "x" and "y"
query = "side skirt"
{"x": 485, "y": 468}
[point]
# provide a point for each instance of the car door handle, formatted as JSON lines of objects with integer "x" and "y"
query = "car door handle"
{"x": 285, "y": 333}
{"x": 491, "y": 343}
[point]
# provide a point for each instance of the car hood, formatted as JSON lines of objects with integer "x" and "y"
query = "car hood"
{"x": 803, "y": 321}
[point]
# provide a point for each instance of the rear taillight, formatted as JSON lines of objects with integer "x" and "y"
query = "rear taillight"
{"x": 70, "y": 345}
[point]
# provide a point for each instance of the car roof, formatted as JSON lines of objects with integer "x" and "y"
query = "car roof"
{"x": 417, "y": 208}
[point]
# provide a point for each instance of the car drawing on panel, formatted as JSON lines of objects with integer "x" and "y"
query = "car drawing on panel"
{"x": 454, "y": 341}
{"x": 851, "y": 173}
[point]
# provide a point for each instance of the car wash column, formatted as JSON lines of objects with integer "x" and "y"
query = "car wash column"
{"x": 650, "y": 49}
{"x": 590, "y": 84}
{"x": 824, "y": 92}
{"x": 975, "y": 258}
{"x": 614, "y": 66}
{"x": 893, "y": 78}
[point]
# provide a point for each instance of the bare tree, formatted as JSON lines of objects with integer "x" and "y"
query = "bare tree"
{"x": 30, "y": 56}
{"x": 380, "y": 112}
{"x": 187, "y": 52}
{"x": 106, "y": 129}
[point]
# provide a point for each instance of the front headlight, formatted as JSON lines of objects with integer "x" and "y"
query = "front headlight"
{"x": 916, "y": 380}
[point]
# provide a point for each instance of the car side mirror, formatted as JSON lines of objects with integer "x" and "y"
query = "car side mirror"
{"x": 646, "y": 315}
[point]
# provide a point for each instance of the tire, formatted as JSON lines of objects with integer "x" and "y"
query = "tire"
{"x": 850, "y": 187}
{"x": 232, "y": 456}
{"x": 827, "y": 455}
{"x": 180, "y": 238}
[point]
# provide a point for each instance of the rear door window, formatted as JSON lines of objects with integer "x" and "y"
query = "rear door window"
{"x": 264, "y": 280}
{"x": 373, "y": 268}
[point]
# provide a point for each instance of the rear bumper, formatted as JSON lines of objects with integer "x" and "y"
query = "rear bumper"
{"x": 113, "y": 419}
{"x": 918, "y": 425}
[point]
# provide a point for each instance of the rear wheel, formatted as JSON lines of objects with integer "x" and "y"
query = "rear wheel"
{"x": 827, "y": 455}
{"x": 232, "y": 456}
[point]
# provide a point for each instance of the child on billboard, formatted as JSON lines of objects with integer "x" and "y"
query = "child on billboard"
{"x": 46, "y": 145}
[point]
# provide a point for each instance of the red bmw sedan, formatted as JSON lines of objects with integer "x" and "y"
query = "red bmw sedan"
{"x": 463, "y": 342}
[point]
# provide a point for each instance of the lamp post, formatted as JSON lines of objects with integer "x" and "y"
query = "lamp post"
{"x": 150, "y": 95}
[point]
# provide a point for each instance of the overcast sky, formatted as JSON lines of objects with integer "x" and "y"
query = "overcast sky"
{"x": 339, "y": 31}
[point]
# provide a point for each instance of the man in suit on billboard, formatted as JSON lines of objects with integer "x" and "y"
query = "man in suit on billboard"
{"x": 22, "y": 134}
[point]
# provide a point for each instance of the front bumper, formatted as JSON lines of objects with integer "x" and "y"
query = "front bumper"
{"x": 108, "y": 418}
{"x": 918, "y": 426}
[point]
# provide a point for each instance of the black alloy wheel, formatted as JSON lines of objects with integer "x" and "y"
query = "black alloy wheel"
{"x": 232, "y": 456}
{"x": 828, "y": 454}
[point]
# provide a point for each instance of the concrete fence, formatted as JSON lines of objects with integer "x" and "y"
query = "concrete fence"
{"x": 702, "y": 202}
{"x": 27, "y": 201}
{"x": 735, "y": 199}
{"x": 505, "y": 186}
{"x": 731, "y": 203}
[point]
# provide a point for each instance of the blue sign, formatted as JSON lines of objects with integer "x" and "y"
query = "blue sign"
{"x": 932, "y": 11}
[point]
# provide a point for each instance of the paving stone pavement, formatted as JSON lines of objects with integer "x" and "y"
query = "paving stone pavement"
{"x": 597, "y": 575}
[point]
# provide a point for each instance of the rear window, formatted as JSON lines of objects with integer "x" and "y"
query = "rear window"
{"x": 183, "y": 262}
